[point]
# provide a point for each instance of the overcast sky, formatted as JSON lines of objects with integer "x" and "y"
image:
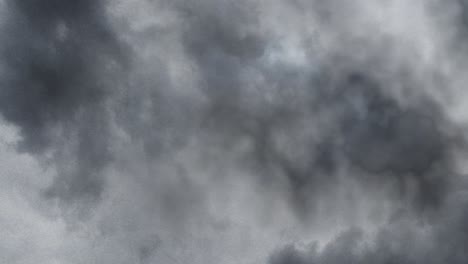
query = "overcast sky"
{"x": 233, "y": 131}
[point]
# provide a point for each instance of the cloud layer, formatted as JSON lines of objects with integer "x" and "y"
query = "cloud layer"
{"x": 218, "y": 131}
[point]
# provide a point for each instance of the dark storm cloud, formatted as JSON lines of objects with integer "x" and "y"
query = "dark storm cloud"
{"x": 224, "y": 86}
{"x": 345, "y": 105}
{"x": 57, "y": 59}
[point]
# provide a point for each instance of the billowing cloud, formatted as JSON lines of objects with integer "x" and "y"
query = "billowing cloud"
{"x": 295, "y": 132}
{"x": 58, "y": 60}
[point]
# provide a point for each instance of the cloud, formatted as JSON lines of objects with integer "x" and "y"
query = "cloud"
{"x": 58, "y": 59}
{"x": 228, "y": 131}
{"x": 400, "y": 241}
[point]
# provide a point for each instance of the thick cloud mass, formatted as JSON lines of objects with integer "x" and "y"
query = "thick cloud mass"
{"x": 57, "y": 59}
{"x": 217, "y": 131}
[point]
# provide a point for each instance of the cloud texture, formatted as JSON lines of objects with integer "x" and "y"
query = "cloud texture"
{"x": 216, "y": 131}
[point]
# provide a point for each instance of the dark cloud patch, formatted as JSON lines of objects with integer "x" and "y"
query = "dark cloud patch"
{"x": 47, "y": 12}
{"x": 460, "y": 16}
{"x": 148, "y": 247}
{"x": 58, "y": 58}
{"x": 291, "y": 255}
{"x": 402, "y": 143}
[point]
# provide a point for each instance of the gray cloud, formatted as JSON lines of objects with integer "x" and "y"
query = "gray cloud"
{"x": 58, "y": 61}
{"x": 400, "y": 241}
{"x": 215, "y": 131}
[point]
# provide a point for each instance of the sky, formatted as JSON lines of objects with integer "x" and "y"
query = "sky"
{"x": 233, "y": 132}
